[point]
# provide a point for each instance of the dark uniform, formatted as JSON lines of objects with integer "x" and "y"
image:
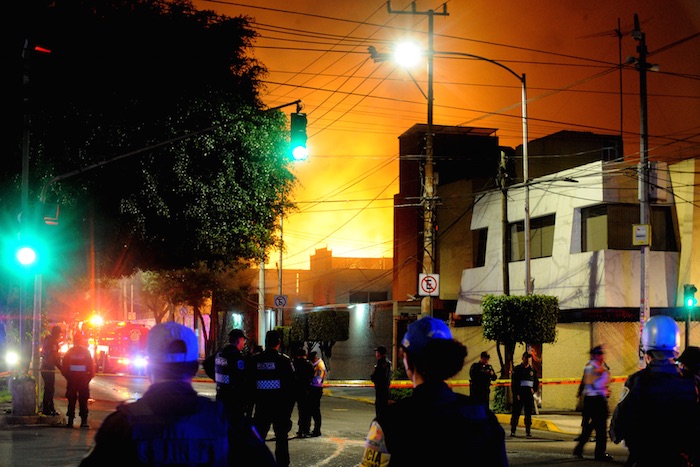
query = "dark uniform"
{"x": 303, "y": 374}
{"x": 78, "y": 368}
{"x": 232, "y": 387}
{"x": 480, "y": 377}
{"x": 657, "y": 416}
{"x": 381, "y": 377}
{"x": 50, "y": 361}
{"x": 171, "y": 424}
{"x": 272, "y": 376}
{"x": 451, "y": 425}
{"x": 524, "y": 383}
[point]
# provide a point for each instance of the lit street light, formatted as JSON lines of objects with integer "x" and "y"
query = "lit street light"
{"x": 406, "y": 53}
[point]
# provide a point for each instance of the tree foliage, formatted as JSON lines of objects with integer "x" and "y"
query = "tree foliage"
{"x": 147, "y": 117}
{"x": 321, "y": 328}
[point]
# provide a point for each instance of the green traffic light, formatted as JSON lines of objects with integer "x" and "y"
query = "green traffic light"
{"x": 26, "y": 256}
{"x": 297, "y": 136}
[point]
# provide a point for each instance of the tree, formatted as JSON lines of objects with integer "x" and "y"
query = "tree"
{"x": 175, "y": 162}
{"x": 148, "y": 130}
{"x": 512, "y": 319}
{"x": 323, "y": 328}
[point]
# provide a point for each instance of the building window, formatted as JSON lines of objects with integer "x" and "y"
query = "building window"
{"x": 541, "y": 238}
{"x": 609, "y": 227}
{"x": 368, "y": 297}
{"x": 479, "y": 242}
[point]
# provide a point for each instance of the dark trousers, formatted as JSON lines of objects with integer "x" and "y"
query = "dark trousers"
{"x": 47, "y": 406}
{"x": 480, "y": 394}
{"x": 79, "y": 392}
{"x": 279, "y": 417}
{"x": 381, "y": 399}
{"x": 304, "y": 422}
{"x": 524, "y": 401}
{"x": 315, "y": 394}
{"x": 595, "y": 411}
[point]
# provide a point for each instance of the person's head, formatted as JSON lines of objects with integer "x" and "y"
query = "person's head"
{"x": 313, "y": 356}
{"x": 429, "y": 351}
{"x": 661, "y": 337}
{"x": 173, "y": 352}
{"x": 272, "y": 339}
{"x": 237, "y": 338}
{"x": 380, "y": 351}
{"x": 690, "y": 359}
{"x": 597, "y": 353}
{"x": 78, "y": 339}
{"x": 484, "y": 357}
{"x": 527, "y": 358}
{"x": 56, "y": 332}
{"x": 300, "y": 353}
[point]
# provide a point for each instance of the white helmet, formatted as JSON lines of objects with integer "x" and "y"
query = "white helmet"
{"x": 661, "y": 333}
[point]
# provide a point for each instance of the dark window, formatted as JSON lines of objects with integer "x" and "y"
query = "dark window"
{"x": 479, "y": 243}
{"x": 367, "y": 297}
{"x": 541, "y": 238}
{"x": 609, "y": 227}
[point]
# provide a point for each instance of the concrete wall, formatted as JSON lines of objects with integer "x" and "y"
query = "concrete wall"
{"x": 565, "y": 358}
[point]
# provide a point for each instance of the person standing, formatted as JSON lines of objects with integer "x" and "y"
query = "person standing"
{"x": 481, "y": 374}
{"x": 171, "y": 424}
{"x": 596, "y": 390}
{"x": 78, "y": 368}
{"x": 524, "y": 383}
{"x": 303, "y": 374}
{"x": 272, "y": 375}
{"x": 232, "y": 387}
{"x": 451, "y": 425}
{"x": 50, "y": 361}
{"x": 657, "y": 414}
{"x": 381, "y": 377}
{"x": 316, "y": 391}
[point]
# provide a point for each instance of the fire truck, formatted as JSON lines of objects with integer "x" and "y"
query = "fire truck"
{"x": 118, "y": 346}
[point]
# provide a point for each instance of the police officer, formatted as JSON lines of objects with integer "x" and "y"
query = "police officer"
{"x": 596, "y": 390}
{"x": 303, "y": 374}
{"x": 525, "y": 384}
{"x": 381, "y": 377}
{"x": 435, "y": 425}
{"x": 78, "y": 368}
{"x": 657, "y": 415}
{"x": 50, "y": 361}
{"x": 481, "y": 373}
{"x": 272, "y": 375}
{"x": 232, "y": 389}
{"x": 171, "y": 424}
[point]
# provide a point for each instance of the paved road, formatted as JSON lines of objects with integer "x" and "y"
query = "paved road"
{"x": 346, "y": 417}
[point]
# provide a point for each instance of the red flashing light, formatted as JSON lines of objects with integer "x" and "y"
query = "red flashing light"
{"x": 44, "y": 50}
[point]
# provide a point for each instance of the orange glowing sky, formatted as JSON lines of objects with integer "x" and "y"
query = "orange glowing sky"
{"x": 569, "y": 50}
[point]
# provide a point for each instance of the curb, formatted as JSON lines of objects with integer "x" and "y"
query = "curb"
{"x": 537, "y": 423}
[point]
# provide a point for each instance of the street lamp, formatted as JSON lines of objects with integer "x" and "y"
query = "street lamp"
{"x": 429, "y": 198}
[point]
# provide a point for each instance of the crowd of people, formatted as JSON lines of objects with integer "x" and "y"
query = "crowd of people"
{"x": 257, "y": 391}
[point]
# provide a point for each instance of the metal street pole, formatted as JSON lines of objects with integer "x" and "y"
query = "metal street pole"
{"x": 526, "y": 180}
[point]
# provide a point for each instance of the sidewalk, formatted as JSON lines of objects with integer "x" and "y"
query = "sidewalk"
{"x": 558, "y": 421}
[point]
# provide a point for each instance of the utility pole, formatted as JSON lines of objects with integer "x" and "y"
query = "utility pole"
{"x": 429, "y": 193}
{"x": 643, "y": 187}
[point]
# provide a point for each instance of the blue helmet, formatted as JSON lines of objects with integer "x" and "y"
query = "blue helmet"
{"x": 661, "y": 333}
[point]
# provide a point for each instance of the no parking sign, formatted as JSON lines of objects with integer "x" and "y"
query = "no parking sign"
{"x": 429, "y": 285}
